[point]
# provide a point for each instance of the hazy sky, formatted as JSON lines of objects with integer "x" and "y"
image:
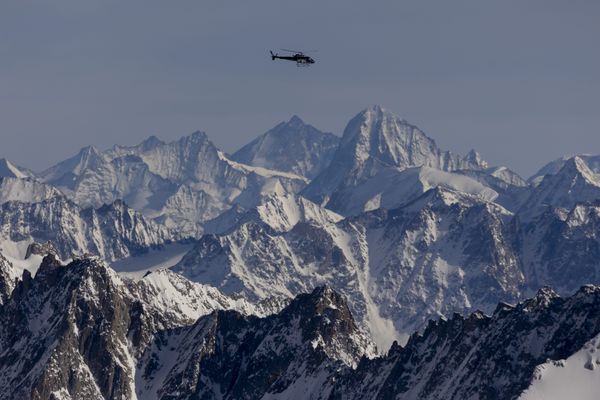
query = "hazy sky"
{"x": 517, "y": 80}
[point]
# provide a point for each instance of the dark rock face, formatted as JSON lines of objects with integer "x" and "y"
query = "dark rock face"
{"x": 225, "y": 354}
{"x": 65, "y": 332}
{"x": 418, "y": 245}
{"x": 479, "y": 356}
{"x": 79, "y": 331}
{"x": 559, "y": 247}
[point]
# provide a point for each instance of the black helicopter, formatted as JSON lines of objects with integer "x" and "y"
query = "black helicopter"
{"x": 301, "y": 59}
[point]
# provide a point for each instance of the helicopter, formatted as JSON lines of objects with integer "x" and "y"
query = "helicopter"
{"x": 302, "y": 60}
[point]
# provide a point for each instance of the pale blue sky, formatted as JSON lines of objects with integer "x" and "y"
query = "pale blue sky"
{"x": 517, "y": 80}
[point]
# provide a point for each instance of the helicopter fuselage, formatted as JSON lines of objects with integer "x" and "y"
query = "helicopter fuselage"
{"x": 299, "y": 58}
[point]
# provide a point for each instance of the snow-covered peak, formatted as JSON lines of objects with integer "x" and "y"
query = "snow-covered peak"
{"x": 379, "y": 137}
{"x": 195, "y": 137}
{"x": 379, "y": 134}
{"x": 150, "y": 143}
{"x": 146, "y": 145}
{"x": 192, "y": 157}
{"x": 574, "y": 182}
{"x": 473, "y": 157}
{"x": 291, "y": 146}
{"x": 376, "y": 140}
{"x": 440, "y": 197}
{"x": 282, "y": 213}
{"x": 295, "y": 121}
{"x": 542, "y": 299}
{"x": 8, "y": 169}
{"x": 181, "y": 184}
{"x": 553, "y": 167}
{"x": 576, "y": 166}
{"x": 87, "y": 158}
{"x": 506, "y": 175}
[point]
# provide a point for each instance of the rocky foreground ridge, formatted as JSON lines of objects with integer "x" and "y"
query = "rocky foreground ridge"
{"x": 79, "y": 331}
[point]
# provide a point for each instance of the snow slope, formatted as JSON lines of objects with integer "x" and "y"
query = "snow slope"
{"x": 577, "y": 377}
{"x": 392, "y": 187}
{"x": 25, "y": 190}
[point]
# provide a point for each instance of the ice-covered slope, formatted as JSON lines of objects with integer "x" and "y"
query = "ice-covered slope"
{"x": 291, "y": 146}
{"x": 181, "y": 184}
{"x": 512, "y": 190}
{"x": 577, "y": 377}
{"x": 281, "y": 212}
{"x": 391, "y": 187}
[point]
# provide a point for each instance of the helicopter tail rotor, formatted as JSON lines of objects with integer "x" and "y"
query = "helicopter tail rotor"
{"x": 272, "y": 55}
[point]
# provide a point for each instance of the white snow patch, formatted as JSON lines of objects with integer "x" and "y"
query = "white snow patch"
{"x": 577, "y": 377}
{"x": 268, "y": 173}
{"x": 136, "y": 266}
{"x": 15, "y": 252}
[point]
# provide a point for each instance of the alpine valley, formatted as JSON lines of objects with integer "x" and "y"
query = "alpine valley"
{"x": 306, "y": 265}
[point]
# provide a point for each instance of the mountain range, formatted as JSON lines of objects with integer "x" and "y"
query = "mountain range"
{"x": 80, "y": 331}
{"x": 371, "y": 265}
